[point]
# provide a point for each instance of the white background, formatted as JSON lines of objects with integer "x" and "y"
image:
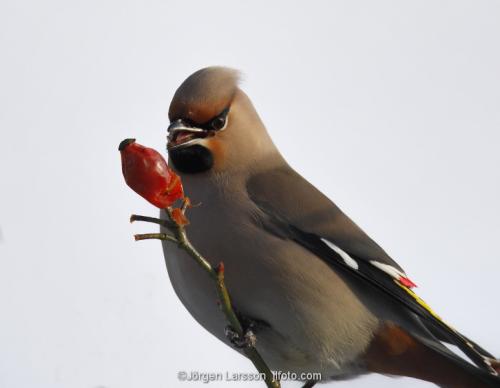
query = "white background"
{"x": 389, "y": 107}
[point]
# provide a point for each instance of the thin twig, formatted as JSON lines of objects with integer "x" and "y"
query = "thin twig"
{"x": 218, "y": 276}
{"x": 153, "y": 236}
{"x": 136, "y": 217}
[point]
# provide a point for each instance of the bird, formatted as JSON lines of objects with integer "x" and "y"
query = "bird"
{"x": 317, "y": 292}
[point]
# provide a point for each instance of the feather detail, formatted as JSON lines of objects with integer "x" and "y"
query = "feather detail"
{"x": 395, "y": 273}
{"x": 407, "y": 282}
{"x": 347, "y": 259}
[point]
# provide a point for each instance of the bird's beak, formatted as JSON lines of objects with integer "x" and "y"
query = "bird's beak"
{"x": 182, "y": 135}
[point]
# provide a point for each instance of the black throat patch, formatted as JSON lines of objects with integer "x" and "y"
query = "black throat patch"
{"x": 193, "y": 159}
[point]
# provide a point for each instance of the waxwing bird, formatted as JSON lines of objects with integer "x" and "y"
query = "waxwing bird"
{"x": 320, "y": 295}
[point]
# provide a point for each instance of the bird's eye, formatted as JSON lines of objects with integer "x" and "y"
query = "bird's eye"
{"x": 219, "y": 122}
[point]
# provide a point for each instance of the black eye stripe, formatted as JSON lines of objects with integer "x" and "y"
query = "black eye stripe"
{"x": 216, "y": 123}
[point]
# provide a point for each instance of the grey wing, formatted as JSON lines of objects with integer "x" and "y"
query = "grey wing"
{"x": 296, "y": 210}
{"x": 282, "y": 190}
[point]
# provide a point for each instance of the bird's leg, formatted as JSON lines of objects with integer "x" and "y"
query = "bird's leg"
{"x": 240, "y": 342}
{"x": 250, "y": 327}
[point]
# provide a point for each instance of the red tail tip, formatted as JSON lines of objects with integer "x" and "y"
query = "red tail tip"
{"x": 407, "y": 282}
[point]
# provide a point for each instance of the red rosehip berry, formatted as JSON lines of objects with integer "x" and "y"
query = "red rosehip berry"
{"x": 147, "y": 173}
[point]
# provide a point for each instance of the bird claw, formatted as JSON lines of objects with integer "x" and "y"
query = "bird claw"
{"x": 248, "y": 340}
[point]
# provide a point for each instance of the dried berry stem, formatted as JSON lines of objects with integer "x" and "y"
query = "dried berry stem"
{"x": 136, "y": 217}
{"x": 217, "y": 274}
{"x": 155, "y": 236}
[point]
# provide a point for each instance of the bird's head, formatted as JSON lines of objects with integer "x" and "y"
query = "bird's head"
{"x": 213, "y": 124}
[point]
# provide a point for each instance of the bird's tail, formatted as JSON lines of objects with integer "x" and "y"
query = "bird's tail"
{"x": 495, "y": 364}
{"x": 396, "y": 352}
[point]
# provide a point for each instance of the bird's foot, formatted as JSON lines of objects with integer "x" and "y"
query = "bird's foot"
{"x": 248, "y": 340}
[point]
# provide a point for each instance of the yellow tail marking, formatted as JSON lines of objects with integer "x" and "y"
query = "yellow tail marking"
{"x": 422, "y": 303}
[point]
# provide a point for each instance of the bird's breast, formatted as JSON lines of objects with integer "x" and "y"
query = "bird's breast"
{"x": 314, "y": 321}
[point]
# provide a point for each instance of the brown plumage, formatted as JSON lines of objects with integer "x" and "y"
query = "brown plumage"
{"x": 204, "y": 95}
{"x": 394, "y": 351}
{"x": 325, "y": 296}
